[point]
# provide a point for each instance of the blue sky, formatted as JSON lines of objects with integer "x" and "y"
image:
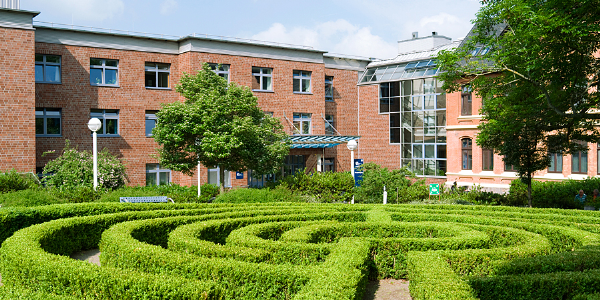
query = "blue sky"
{"x": 355, "y": 27}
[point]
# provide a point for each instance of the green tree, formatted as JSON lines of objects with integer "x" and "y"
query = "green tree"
{"x": 534, "y": 64}
{"x": 219, "y": 124}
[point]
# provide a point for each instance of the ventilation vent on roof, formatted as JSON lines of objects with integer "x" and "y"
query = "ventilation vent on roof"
{"x": 12, "y": 4}
{"x": 415, "y": 35}
{"x": 434, "y": 33}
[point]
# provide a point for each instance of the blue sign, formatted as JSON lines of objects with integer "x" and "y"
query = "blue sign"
{"x": 358, "y": 173}
{"x": 239, "y": 175}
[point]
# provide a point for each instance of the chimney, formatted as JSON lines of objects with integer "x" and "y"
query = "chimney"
{"x": 11, "y": 4}
{"x": 415, "y": 35}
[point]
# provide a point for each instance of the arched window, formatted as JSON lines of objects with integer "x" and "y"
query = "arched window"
{"x": 467, "y": 154}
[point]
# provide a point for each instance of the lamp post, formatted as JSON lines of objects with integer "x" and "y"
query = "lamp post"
{"x": 94, "y": 124}
{"x": 352, "y": 145}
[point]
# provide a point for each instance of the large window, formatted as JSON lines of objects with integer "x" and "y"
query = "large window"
{"x": 150, "y": 121}
{"x": 328, "y": 88}
{"x": 467, "y": 153}
{"x": 329, "y": 125}
{"x": 47, "y": 122}
{"x": 104, "y": 72}
{"x": 402, "y": 71}
{"x": 301, "y": 81}
{"x": 556, "y": 163}
{"x": 109, "y": 119}
{"x": 214, "y": 174}
{"x": 157, "y": 75}
{"x": 579, "y": 162}
{"x": 466, "y": 101}
{"x": 155, "y": 175}
{"x": 302, "y": 123}
{"x": 293, "y": 164}
{"x": 487, "y": 156}
{"x": 221, "y": 70}
{"x": 262, "y": 79}
{"x": 417, "y": 122}
{"x": 47, "y": 68}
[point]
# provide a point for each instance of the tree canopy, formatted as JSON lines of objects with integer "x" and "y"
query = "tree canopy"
{"x": 218, "y": 124}
{"x": 535, "y": 64}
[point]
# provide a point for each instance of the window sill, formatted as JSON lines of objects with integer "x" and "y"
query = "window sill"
{"x": 157, "y": 88}
{"x": 109, "y": 135}
{"x": 106, "y": 85}
{"x": 470, "y": 117}
{"x": 329, "y": 100}
{"x": 48, "y": 135}
{"x": 48, "y": 82}
{"x": 303, "y": 93}
{"x": 263, "y": 91}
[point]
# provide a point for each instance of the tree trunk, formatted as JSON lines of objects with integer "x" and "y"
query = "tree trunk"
{"x": 221, "y": 181}
{"x": 529, "y": 189}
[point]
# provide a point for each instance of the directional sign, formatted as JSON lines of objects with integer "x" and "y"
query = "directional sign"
{"x": 358, "y": 173}
{"x": 434, "y": 189}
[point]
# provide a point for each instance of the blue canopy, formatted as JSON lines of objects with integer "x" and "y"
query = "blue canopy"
{"x": 319, "y": 141}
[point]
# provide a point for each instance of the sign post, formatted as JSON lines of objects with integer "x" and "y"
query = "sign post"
{"x": 358, "y": 172}
{"x": 434, "y": 189}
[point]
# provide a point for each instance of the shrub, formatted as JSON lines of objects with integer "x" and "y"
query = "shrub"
{"x": 553, "y": 194}
{"x": 398, "y": 184}
{"x": 30, "y": 197}
{"x": 325, "y": 187}
{"x": 251, "y": 195}
{"x": 13, "y": 181}
{"x": 74, "y": 168}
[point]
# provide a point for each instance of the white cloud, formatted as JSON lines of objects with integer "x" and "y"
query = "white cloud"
{"x": 88, "y": 10}
{"x": 334, "y": 36}
{"x": 168, "y": 6}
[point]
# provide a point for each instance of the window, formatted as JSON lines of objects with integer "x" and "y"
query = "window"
{"x": 47, "y": 68}
{"x": 293, "y": 164}
{"x": 488, "y": 160}
{"x": 329, "y": 125}
{"x": 329, "y": 164}
{"x": 109, "y": 119}
{"x": 104, "y": 72}
{"x": 302, "y": 123}
{"x": 467, "y": 154}
{"x": 157, "y": 176}
{"x": 466, "y": 101}
{"x": 579, "y": 162}
{"x": 509, "y": 168}
{"x": 157, "y": 75}
{"x": 150, "y": 121}
{"x": 263, "y": 79}
{"x": 328, "y": 88}
{"x": 213, "y": 177}
{"x": 301, "y": 81}
{"x": 221, "y": 70}
{"x": 47, "y": 122}
{"x": 556, "y": 163}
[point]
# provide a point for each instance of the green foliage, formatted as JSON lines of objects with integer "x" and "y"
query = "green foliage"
{"x": 13, "y": 181}
{"x": 325, "y": 187}
{"x": 74, "y": 169}
{"x": 30, "y": 197}
{"x": 555, "y": 194}
{"x": 401, "y": 185}
{"x": 219, "y": 124}
{"x": 179, "y": 194}
{"x": 540, "y": 92}
{"x": 251, "y": 195}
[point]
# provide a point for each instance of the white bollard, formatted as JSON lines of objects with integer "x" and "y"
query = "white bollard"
{"x": 384, "y": 195}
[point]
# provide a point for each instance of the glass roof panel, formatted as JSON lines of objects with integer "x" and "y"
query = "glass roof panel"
{"x": 422, "y": 63}
{"x": 411, "y": 65}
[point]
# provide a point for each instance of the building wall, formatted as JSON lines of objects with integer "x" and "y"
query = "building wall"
{"x": 17, "y": 99}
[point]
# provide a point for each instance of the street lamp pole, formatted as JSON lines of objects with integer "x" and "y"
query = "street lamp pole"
{"x": 94, "y": 124}
{"x": 352, "y": 145}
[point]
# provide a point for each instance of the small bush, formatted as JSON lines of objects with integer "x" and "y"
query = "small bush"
{"x": 251, "y": 195}
{"x": 553, "y": 194}
{"x": 74, "y": 168}
{"x": 30, "y": 197}
{"x": 326, "y": 187}
{"x": 13, "y": 181}
{"x": 398, "y": 184}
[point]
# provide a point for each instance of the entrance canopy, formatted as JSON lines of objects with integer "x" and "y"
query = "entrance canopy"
{"x": 320, "y": 141}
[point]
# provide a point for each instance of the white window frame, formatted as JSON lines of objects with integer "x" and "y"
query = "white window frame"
{"x": 227, "y": 182}
{"x": 152, "y": 67}
{"x": 157, "y": 171}
{"x": 301, "y": 77}
{"x": 45, "y": 64}
{"x": 262, "y": 76}
{"x": 302, "y": 121}
{"x": 223, "y": 71}
{"x": 103, "y": 69}
{"x": 103, "y": 115}
{"x": 150, "y": 115}
{"x": 42, "y": 113}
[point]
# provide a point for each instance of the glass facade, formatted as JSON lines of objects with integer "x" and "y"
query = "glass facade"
{"x": 417, "y": 115}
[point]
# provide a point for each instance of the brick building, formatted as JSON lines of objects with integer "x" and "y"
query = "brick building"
{"x": 54, "y": 79}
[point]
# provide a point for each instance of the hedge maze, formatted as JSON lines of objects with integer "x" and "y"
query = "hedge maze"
{"x": 297, "y": 251}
